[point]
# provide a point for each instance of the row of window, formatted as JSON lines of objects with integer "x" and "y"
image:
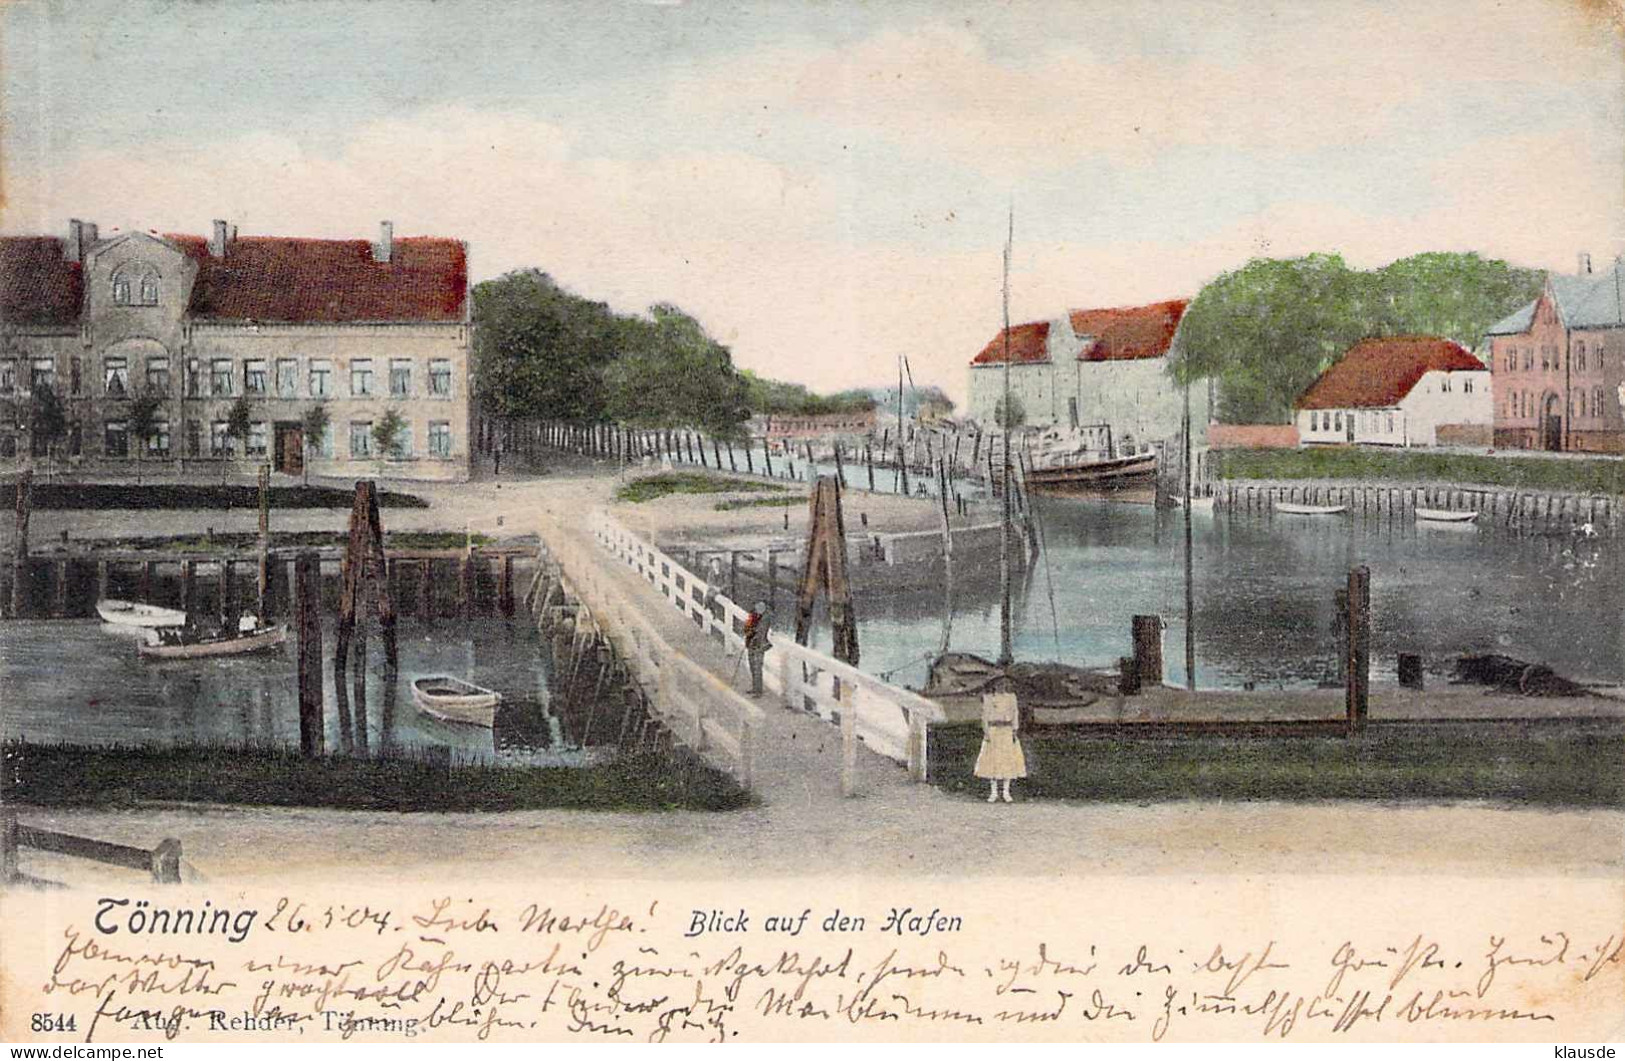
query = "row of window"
{"x": 116, "y": 440}
{"x": 1551, "y": 357}
{"x": 1524, "y": 404}
{"x": 1446, "y": 386}
{"x": 1334, "y": 420}
{"x": 258, "y": 377}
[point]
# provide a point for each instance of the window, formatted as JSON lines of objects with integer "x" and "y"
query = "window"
{"x": 76, "y": 442}
{"x": 149, "y": 290}
{"x": 158, "y": 375}
{"x": 254, "y": 382}
{"x": 1467, "y": 386}
{"x": 1528, "y": 358}
{"x": 440, "y": 438}
{"x": 1580, "y": 356}
{"x": 401, "y": 446}
{"x": 194, "y": 380}
{"x": 158, "y": 441}
{"x": 1390, "y": 422}
{"x": 115, "y": 439}
{"x": 1583, "y": 403}
{"x": 440, "y": 378}
{"x": 42, "y": 373}
{"x": 1598, "y": 403}
{"x": 220, "y": 377}
{"x": 321, "y": 379}
{"x": 116, "y": 375}
{"x": 327, "y": 442}
{"x": 219, "y": 439}
{"x": 287, "y": 378}
{"x": 400, "y": 377}
{"x": 360, "y": 438}
{"x": 8, "y": 377}
{"x": 361, "y": 378}
{"x": 259, "y": 434}
{"x": 137, "y": 278}
{"x": 121, "y": 291}
{"x": 76, "y": 376}
{"x": 1337, "y": 419}
{"x": 1444, "y": 385}
{"x": 194, "y": 438}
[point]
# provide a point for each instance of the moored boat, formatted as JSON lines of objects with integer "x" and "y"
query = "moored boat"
{"x": 172, "y": 644}
{"x": 1093, "y": 476}
{"x": 1293, "y": 508}
{"x": 1441, "y": 515}
{"x": 455, "y": 700}
{"x": 135, "y": 613}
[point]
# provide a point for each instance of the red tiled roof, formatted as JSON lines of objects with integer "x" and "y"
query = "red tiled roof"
{"x": 36, "y": 285}
{"x": 1129, "y": 332}
{"x": 1029, "y": 345}
{"x": 268, "y": 278}
{"x": 1379, "y": 372}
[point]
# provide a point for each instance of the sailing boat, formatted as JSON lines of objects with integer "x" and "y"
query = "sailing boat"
{"x": 1046, "y": 693}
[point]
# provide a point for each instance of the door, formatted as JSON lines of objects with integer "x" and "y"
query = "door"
{"x": 1552, "y": 425}
{"x": 290, "y": 448}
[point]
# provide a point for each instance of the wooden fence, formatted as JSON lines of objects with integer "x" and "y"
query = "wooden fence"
{"x": 889, "y": 719}
{"x": 1543, "y": 511}
{"x": 163, "y": 861}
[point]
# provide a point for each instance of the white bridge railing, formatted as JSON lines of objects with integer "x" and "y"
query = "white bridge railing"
{"x": 889, "y": 719}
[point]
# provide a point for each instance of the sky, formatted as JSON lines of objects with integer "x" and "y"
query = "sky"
{"x": 827, "y": 186}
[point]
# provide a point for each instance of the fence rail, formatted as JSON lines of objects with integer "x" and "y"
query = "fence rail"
{"x": 163, "y": 861}
{"x": 889, "y": 719}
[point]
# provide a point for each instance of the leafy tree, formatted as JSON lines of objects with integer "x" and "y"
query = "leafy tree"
{"x": 143, "y": 419}
{"x": 240, "y": 420}
{"x": 313, "y": 426}
{"x": 670, "y": 373}
{"x": 778, "y": 398}
{"x": 1014, "y": 417}
{"x": 540, "y": 350}
{"x": 386, "y": 433}
{"x": 1457, "y": 296}
{"x": 47, "y": 419}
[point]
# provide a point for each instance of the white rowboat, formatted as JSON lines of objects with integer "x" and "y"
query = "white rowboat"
{"x": 252, "y": 641}
{"x": 1295, "y": 509}
{"x": 456, "y": 700}
{"x": 1440, "y": 515}
{"x": 133, "y": 613}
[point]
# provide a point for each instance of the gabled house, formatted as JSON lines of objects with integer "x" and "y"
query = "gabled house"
{"x": 362, "y": 327}
{"x": 1398, "y": 391}
{"x": 1089, "y": 368}
{"x": 1559, "y": 365}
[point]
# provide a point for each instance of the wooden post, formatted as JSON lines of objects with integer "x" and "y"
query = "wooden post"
{"x": 8, "y": 846}
{"x": 59, "y": 597}
{"x": 19, "y": 556}
{"x": 772, "y": 580}
{"x": 1148, "y": 648}
{"x": 869, "y": 464}
{"x": 767, "y": 457}
{"x": 1358, "y": 687}
{"x": 465, "y": 586}
{"x": 840, "y": 468}
{"x": 426, "y": 591}
{"x": 505, "y": 587}
{"x": 308, "y": 616}
{"x": 733, "y": 575}
{"x": 102, "y": 581}
{"x": 825, "y": 569}
{"x": 263, "y": 581}
{"x": 750, "y": 463}
{"x": 902, "y": 470}
{"x": 166, "y": 862}
{"x": 148, "y": 569}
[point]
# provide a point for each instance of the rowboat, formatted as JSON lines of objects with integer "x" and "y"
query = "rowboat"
{"x": 1441, "y": 515}
{"x": 1198, "y": 504}
{"x": 172, "y": 646}
{"x": 1294, "y": 509}
{"x": 455, "y": 700}
{"x": 134, "y": 613}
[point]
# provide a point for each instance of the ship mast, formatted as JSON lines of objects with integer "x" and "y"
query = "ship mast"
{"x": 1006, "y": 653}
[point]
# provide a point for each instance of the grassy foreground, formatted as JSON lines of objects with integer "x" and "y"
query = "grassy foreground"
{"x": 100, "y": 496}
{"x": 1597, "y": 475}
{"x": 87, "y": 776}
{"x": 650, "y": 487}
{"x": 1569, "y": 765}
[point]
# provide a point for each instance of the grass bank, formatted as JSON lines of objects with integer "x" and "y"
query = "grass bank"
{"x": 1549, "y": 765}
{"x": 100, "y": 496}
{"x": 737, "y": 503}
{"x": 650, "y": 487}
{"x": 91, "y": 776}
{"x": 1581, "y": 475}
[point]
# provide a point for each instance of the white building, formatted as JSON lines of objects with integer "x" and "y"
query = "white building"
{"x": 1086, "y": 368}
{"x": 1398, "y": 392}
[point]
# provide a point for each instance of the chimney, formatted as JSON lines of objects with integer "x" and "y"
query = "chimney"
{"x": 385, "y": 247}
{"x": 1585, "y": 263}
{"x": 74, "y": 251}
{"x": 221, "y": 240}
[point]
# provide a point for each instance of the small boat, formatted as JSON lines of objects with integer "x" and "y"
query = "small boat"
{"x": 1294, "y": 509}
{"x": 1198, "y": 504}
{"x": 455, "y": 700}
{"x": 134, "y": 613}
{"x": 1441, "y": 515}
{"x": 248, "y": 638}
{"x": 1093, "y": 476}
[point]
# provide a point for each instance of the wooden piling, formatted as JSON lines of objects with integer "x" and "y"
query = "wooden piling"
{"x": 465, "y": 586}
{"x": 19, "y": 555}
{"x": 1357, "y": 689}
{"x": 1147, "y": 630}
{"x": 263, "y": 567}
{"x": 426, "y": 591}
{"x": 505, "y": 588}
{"x": 102, "y": 580}
{"x": 308, "y": 616}
{"x": 59, "y": 597}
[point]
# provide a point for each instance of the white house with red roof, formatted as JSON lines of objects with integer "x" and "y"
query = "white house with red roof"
{"x": 1398, "y": 391}
{"x": 361, "y": 327}
{"x": 1087, "y": 368}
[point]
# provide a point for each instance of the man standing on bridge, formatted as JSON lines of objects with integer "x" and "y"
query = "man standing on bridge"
{"x": 757, "y": 625}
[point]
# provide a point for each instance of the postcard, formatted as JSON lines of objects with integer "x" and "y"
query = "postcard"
{"x": 708, "y": 520}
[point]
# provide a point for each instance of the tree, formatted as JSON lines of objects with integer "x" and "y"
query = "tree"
{"x": 239, "y": 423}
{"x": 314, "y": 427}
{"x": 670, "y": 373}
{"x": 540, "y": 350}
{"x": 1016, "y": 417}
{"x": 47, "y": 420}
{"x": 386, "y": 433}
{"x": 142, "y": 419}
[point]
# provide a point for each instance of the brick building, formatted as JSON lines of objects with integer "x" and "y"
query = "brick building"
{"x": 360, "y": 327}
{"x": 1559, "y": 365}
